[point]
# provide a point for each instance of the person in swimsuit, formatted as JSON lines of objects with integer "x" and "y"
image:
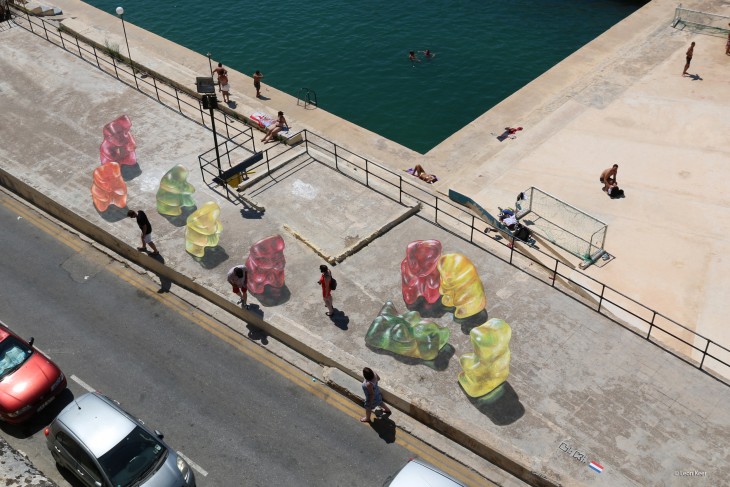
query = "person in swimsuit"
{"x": 727, "y": 46}
{"x": 421, "y": 174}
{"x": 412, "y": 57}
{"x": 225, "y": 87}
{"x": 218, "y": 71}
{"x": 428, "y": 54}
{"x": 257, "y": 77}
{"x": 275, "y": 128}
{"x": 689, "y": 54}
{"x": 373, "y": 396}
{"x": 608, "y": 177}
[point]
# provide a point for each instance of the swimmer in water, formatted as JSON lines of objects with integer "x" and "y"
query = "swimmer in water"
{"x": 412, "y": 57}
{"x": 428, "y": 54}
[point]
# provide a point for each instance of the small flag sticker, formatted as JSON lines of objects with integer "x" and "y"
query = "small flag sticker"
{"x": 596, "y": 466}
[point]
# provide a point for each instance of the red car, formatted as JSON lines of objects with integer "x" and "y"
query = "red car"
{"x": 29, "y": 381}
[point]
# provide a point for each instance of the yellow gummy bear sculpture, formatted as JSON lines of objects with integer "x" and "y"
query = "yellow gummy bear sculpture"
{"x": 460, "y": 285}
{"x": 203, "y": 229}
{"x": 175, "y": 192}
{"x": 488, "y": 367}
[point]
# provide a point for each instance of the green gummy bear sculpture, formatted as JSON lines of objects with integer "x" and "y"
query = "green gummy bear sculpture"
{"x": 175, "y": 192}
{"x": 488, "y": 367}
{"x": 406, "y": 334}
{"x": 203, "y": 229}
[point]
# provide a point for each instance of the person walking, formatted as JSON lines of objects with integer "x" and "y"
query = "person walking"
{"x": 727, "y": 45}
{"x": 225, "y": 86}
{"x": 373, "y": 396}
{"x": 689, "y": 54}
{"x": 608, "y": 177}
{"x": 257, "y": 77}
{"x": 238, "y": 279}
{"x": 325, "y": 280}
{"x": 218, "y": 71}
{"x": 146, "y": 228}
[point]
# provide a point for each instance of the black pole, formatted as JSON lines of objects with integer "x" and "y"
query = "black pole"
{"x": 210, "y": 63}
{"x": 215, "y": 136}
{"x": 129, "y": 53}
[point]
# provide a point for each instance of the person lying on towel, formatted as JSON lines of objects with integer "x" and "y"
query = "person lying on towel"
{"x": 421, "y": 174}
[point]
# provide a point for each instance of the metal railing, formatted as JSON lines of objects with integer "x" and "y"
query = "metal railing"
{"x": 185, "y": 102}
{"x": 672, "y": 336}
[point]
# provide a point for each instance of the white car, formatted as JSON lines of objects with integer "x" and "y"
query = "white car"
{"x": 417, "y": 473}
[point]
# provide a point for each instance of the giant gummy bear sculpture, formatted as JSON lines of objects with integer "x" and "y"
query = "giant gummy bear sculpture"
{"x": 175, "y": 192}
{"x": 488, "y": 367}
{"x": 406, "y": 334}
{"x": 108, "y": 187}
{"x": 203, "y": 229}
{"x": 419, "y": 272}
{"x": 461, "y": 286}
{"x": 118, "y": 145}
{"x": 265, "y": 264}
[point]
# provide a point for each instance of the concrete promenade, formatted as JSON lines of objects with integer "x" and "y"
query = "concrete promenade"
{"x": 581, "y": 388}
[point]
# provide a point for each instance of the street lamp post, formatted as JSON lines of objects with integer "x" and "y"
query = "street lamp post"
{"x": 210, "y": 63}
{"x": 120, "y": 13}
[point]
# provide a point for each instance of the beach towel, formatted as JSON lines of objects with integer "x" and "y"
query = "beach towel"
{"x": 412, "y": 172}
{"x": 263, "y": 119}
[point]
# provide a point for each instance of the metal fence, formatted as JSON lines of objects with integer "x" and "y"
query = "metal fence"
{"x": 677, "y": 339}
{"x": 672, "y": 336}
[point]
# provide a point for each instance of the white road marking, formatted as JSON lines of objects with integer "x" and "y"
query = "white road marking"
{"x": 82, "y": 383}
{"x": 194, "y": 465}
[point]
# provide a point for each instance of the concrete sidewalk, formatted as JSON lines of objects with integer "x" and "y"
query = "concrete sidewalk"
{"x": 16, "y": 470}
{"x": 581, "y": 388}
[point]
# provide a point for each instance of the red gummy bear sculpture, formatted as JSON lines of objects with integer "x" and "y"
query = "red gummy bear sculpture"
{"x": 108, "y": 187}
{"x": 119, "y": 144}
{"x": 265, "y": 264}
{"x": 419, "y": 272}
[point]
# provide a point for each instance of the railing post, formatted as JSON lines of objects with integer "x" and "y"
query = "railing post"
{"x": 177, "y": 97}
{"x": 336, "y": 166}
{"x": 60, "y": 34}
{"x": 157, "y": 92}
{"x": 114, "y": 63}
{"x": 400, "y": 189}
{"x": 555, "y": 271}
{"x": 600, "y": 300}
{"x": 78, "y": 47}
{"x": 43, "y": 23}
{"x": 437, "y": 209}
{"x": 367, "y": 174}
{"x": 704, "y": 354}
{"x": 471, "y": 237}
{"x": 511, "y": 249}
{"x": 29, "y": 22}
{"x": 200, "y": 107}
{"x": 96, "y": 56}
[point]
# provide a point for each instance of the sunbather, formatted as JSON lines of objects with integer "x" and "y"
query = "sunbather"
{"x": 421, "y": 174}
{"x": 275, "y": 128}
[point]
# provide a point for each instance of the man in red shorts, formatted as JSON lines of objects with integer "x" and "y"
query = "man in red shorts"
{"x": 237, "y": 278}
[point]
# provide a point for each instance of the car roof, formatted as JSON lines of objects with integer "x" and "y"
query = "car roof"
{"x": 96, "y": 422}
{"x": 420, "y": 474}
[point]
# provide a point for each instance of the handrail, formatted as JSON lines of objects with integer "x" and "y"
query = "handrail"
{"x": 376, "y": 174}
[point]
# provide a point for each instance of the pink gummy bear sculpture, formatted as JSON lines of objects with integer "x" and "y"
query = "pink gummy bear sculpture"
{"x": 118, "y": 145}
{"x": 265, "y": 264}
{"x": 419, "y": 272}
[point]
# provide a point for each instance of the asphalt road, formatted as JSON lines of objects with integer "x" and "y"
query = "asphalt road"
{"x": 240, "y": 421}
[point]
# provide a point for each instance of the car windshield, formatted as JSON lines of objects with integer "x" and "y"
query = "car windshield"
{"x": 133, "y": 458}
{"x": 13, "y": 353}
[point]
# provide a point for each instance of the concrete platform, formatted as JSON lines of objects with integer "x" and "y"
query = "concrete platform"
{"x": 581, "y": 388}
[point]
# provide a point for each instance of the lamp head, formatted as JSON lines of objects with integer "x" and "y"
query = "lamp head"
{"x": 120, "y": 11}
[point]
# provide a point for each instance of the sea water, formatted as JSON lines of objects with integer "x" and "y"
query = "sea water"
{"x": 354, "y": 55}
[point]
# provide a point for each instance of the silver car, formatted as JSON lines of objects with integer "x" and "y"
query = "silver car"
{"x": 104, "y": 446}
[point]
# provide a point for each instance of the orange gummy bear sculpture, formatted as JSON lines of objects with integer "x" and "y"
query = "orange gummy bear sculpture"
{"x": 108, "y": 187}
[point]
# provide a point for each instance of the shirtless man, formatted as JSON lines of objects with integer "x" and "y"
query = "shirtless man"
{"x": 225, "y": 85}
{"x": 689, "y": 54}
{"x": 257, "y": 77}
{"x": 218, "y": 72}
{"x": 608, "y": 177}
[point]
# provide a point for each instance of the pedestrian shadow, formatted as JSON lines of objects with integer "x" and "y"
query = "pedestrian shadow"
{"x": 232, "y": 105}
{"x": 273, "y": 296}
{"x": 181, "y": 219}
{"x": 257, "y": 334}
{"x": 130, "y": 172}
{"x": 165, "y": 283}
{"x": 113, "y": 214}
{"x": 440, "y": 363}
{"x": 695, "y": 77}
{"x": 213, "y": 257}
{"x": 502, "y": 406}
{"x": 472, "y": 321}
{"x": 340, "y": 319}
{"x": 385, "y": 428}
{"x": 262, "y": 97}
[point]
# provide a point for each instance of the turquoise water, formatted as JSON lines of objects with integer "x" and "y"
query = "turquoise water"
{"x": 354, "y": 55}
